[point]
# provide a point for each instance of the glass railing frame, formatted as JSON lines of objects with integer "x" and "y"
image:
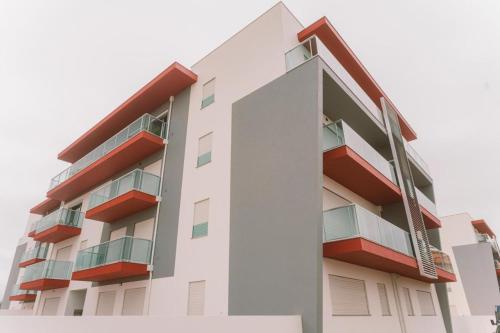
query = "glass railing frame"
{"x": 58, "y": 220}
{"x": 38, "y": 252}
{"x": 445, "y": 263}
{"x": 354, "y": 207}
{"x": 68, "y": 173}
{"x": 76, "y": 267}
{"x": 139, "y": 188}
{"x": 16, "y": 291}
{"x": 46, "y": 270}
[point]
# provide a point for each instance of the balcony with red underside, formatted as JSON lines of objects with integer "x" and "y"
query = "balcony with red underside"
{"x": 346, "y": 167}
{"x": 23, "y": 298}
{"x": 130, "y": 152}
{"x": 124, "y": 205}
{"x": 360, "y": 251}
{"x": 113, "y": 271}
{"x": 430, "y": 221}
{"x": 44, "y": 284}
{"x": 57, "y": 233}
{"x": 30, "y": 262}
{"x": 483, "y": 227}
{"x": 45, "y": 207}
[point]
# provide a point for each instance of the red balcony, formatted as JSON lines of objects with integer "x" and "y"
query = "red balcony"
{"x": 37, "y": 254}
{"x": 124, "y": 196}
{"x": 57, "y": 234}
{"x": 129, "y": 153}
{"x": 58, "y": 226}
{"x": 118, "y": 259}
{"x": 483, "y": 227}
{"x": 45, "y": 206}
{"x": 44, "y": 284}
{"x": 430, "y": 220}
{"x": 23, "y": 298}
{"x": 46, "y": 275}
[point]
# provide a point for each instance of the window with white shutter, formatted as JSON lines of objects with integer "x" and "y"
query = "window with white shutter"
{"x": 426, "y": 303}
{"x": 384, "y": 300}
{"x": 200, "y": 219}
{"x": 204, "y": 150}
{"x": 105, "y": 303}
{"x": 348, "y": 296}
{"x": 196, "y": 298}
{"x": 208, "y": 93}
{"x": 133, "y": 301}
{"x": 408, "y": 303}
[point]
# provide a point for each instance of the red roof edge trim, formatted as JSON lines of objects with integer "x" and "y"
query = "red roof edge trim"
{"x": 483, "y": 227}
{"x": 325, "y": 31}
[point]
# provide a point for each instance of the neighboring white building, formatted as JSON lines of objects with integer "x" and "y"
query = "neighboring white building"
{"x": 264, "y": 180}
{"x": 474, "y": 252}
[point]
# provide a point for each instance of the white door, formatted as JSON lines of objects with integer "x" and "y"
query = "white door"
{"x": 105, "y": 303}
{"x": 144, "y": 229}
{"x": 133, "y": 302}
{"x": 50, "y": 306}
{"x": 118, "y": 233}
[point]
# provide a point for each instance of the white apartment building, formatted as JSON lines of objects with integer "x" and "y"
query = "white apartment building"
{"x": 263, "y": 180}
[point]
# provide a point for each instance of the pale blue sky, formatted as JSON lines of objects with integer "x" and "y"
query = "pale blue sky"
{"x": 65, "y": 64}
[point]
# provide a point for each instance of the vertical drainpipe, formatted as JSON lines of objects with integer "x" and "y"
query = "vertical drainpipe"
{"x": 151, "y": 268}
{"x": 399, "y": 309}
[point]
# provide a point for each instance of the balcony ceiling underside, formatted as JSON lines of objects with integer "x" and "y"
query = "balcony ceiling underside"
{"x": 168, "y": 83}
{"x": 30, "y": 262}
{"x": 57, "y": 234}
{"x": 124, "y": 205}
{"x": 338, "y": 47}
{"x": 431, "y": 221}
{"x": 118, "y": 270}
{"x": 483, "y": 227}
{"x": 135, "y": 149}
{"x": 45, "y": 206}
{"x": 346, "y": 167}
{"x": 362, "y": 252}
{"x": 44, "y": 284}
{"x": 23, "y": 298}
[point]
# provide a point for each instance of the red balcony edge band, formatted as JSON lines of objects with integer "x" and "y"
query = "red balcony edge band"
{"x": 483, "y": 227}
{"x": 139, "y": 146}
{"x": 31, "y": 233}
{"x": 44, "y": 284}
{"x": 170, "y": 82}
{"x": 23, "y": 298}
{"x": 498, "y": 271}
{"x": 343, "y": 157}
{"x": 325, "y": 31}
{"x": 113, "y": 271}
{"x": 29, "y": 262}
{"x": 430, "y": 220}
{"x": 124, "y": 205}
{"x": 57, "y": 233}
{"x": 45, "y": 206}
{"x": 445, "y": 276}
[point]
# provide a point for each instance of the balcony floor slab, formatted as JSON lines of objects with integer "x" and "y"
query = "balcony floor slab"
{"x": 44, "y": 284}
{"x": 113, "y": 271}
{"x": 57, "y": 234}
{"x": 23, "y": 298}
{"x": 30, "y": 262}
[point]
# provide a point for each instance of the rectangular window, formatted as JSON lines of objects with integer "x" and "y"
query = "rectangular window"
{"x": 50, "y": 306}
{"x": 204, "y": 150}
{"x": 133, "y": 301}
{"x": 384, "y": 300}
{"x": 348, "y": 296}
{"x": 200, "y": 219}
{"x": 408, "y": 303}
{"x": 208, "y": 93}
{"x": 196, "y": 298}
{"x": 105, "y": 303}
{"x": 426, "y": 303}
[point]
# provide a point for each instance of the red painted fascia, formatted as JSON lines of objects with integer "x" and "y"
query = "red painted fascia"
{"x": 431, "y": 221}
{"x": 346, "y": 167}
{"x": 325, "y": 31}
{"x": 113, "y": 271}
{"x": 44, "y": 284}
{"x": 135, "y": 149}
{"x": 30, "y": 262}
{"x": 45, "y": 206}
{"x": 445, "y": 276}
{"x": 23, "y": 298}
{"x": 483, "y": 227}
{"x": 124, "y": 205}
{"x": 57, "y": 233}
{"x": 168, "y": 83}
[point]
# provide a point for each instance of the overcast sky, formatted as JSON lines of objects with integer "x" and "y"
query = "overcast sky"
{"x": 65, "y": 64}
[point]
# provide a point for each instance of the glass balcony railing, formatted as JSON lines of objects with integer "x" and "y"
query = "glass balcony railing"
{"x": 38, "y": 252}
{"x": 354, "y": 221}
{"x": 417, "y": 158}
{"x": 49, "y": 269}
{"x": 339, "y": 133}
{"x": 16, "y": 291}
{"x": 485, "y": 238}
{"x": 146, "y": 123}
{"x": 441, "y": 260}
{"x": 135, "y": 180}
{"x": 312, "y": 47}
{"x": 125, "y": 249}
{"x": 62, "y": 216}
{"x": 426, "y": 202}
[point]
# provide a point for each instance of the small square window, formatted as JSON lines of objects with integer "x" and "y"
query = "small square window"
{"x": 208, "y": 93}
{"x": 204, "y": 150}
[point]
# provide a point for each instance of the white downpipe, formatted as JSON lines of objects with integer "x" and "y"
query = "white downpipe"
{"x": 155, "y": 228}
{"x": 399, "y": 309}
